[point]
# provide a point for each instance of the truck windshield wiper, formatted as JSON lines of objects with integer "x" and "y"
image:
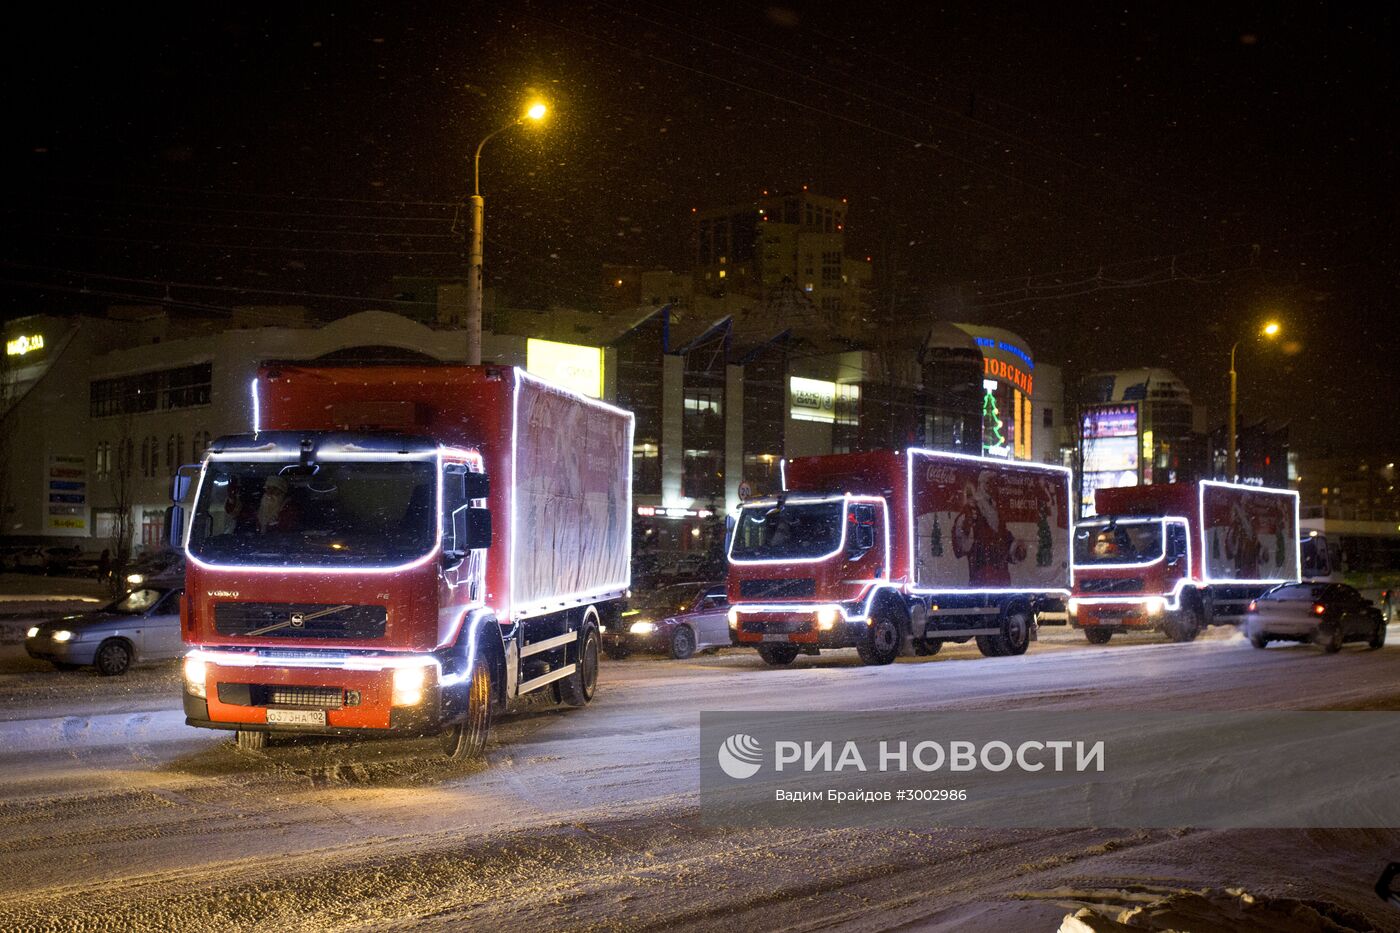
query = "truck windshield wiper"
{"x": 300, "y": 620}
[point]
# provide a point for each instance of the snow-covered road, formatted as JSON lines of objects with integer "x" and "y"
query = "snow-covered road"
{"x": 115, "y": 815}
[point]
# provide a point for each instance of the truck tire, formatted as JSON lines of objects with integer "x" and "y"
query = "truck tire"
{"x": 467, "y": 739}
{"x": 1014, "y": 638}
{"x": 882, "y": 636}
{"x": 578, "y": 688}
{"x": 250, "y": 740}
{"x": 777, "y": 655}
{"x": 1185, "y": 625}
{"x": 1096, "y": 635}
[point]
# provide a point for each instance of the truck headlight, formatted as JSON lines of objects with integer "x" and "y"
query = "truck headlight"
{"x": 734, "y": 618}
{"x": 1154, "y": 605}
{"x": 408, "y": 685}
{"x": 642, "y": 628}
{"x": 135, "y": 579}
{"x": 32, "y": 632}
{"x": 62, "y": 635}
{"x": 826, "y": 617}
{"x": 194, "y": 674}
{"x": 1072, "y": 607}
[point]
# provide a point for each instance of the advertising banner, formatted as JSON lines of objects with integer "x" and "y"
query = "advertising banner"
{"x": 66, "y": 496}
{"x": 1249, "y": 534}
{"x": 572, "y": 522}
{"x": 984, "y": 525}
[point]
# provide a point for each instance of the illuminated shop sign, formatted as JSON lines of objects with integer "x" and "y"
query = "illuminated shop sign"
{"x": 1111, "y": 450}
{"x": 817, "y": 400}
{"x": 990, "y": 344}
{"x": 24, "y": 344}
{"x": 1007, "y": 372}
{"x": 570, "y": 365}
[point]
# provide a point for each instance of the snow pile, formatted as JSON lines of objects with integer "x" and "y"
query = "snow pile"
{"x": 1228, "y": 910}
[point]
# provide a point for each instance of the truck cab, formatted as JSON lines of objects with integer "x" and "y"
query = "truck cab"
{"x": 1133, "y": 573}
{"x": 803, "y": 570}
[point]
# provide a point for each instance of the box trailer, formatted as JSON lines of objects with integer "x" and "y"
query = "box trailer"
{"x": 888, "y": 551}
{"x": 1178, "y": 557}
{"x": 403, "y": 549}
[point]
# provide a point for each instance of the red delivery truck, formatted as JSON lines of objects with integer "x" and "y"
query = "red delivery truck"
{"x": 1177, "y": 557}
{"x": 403, "y": 549}
{"x": 886, "y": 551}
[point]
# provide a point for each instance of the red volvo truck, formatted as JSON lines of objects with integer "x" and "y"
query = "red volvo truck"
{"x": 1177, "y": 557}
{"x": 887, "y": 551}
{"x": 403, "y": 549}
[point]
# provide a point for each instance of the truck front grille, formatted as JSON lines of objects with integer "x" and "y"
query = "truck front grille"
{"x": 323, "y": 697}
{"x": 1110, "y": 585}
{"x": 778, "y": 589}
{"x": 300, "y": 620}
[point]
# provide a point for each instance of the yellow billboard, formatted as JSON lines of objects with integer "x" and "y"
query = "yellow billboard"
{"x": 570, "y": 365}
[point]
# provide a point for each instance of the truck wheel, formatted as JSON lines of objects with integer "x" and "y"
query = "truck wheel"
{"x": 1015, "y": 636}
{"x": 1097, "y": 636}
{"x": 113, "y": 657}
{"x": 1378, "y": 636}
{"x": 682, "y": 643}
{"x": 881, "y": 643}
{"x": 1183, "y": 626}
{"x": 777, "y": 655}
{"x": 250, "y": 740}
{"x": 927, "y": 647}
{"x": 578, "y": 688}
{"x": 467, "y": 739}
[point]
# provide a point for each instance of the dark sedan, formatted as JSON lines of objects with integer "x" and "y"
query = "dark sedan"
{"x": 144, "y": 625}
{"x": 678, "y": 620}
{"x": 1328, "y": 614}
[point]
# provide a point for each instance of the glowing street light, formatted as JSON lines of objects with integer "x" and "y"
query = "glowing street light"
{"x": 535, "y": 112}
{"x": 1270, "y": 331}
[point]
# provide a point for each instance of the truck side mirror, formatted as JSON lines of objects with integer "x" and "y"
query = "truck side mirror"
{"x": 476, "y": 485}
{"x": 478, "y": 528}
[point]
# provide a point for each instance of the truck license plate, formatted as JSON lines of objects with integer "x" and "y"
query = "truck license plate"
{"x": 297, "y": 717}
{"x": 775, "y": 638}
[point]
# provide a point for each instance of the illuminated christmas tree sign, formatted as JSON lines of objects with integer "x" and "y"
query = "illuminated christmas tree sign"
{"x": 993, "y": 437}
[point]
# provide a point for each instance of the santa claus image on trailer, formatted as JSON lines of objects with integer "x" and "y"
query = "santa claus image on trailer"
{"x": 1242, "y": 545}
{"x": 980, "y": 534}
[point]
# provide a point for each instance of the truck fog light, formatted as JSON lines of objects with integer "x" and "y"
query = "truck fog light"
{"x": 1072, "y": 607}
{"x": 408, "y": 685}
{"x": 826, "y": 617}
{"x": 1154, "y": 605}
{"x": 194, "y": 674}
{"x": 642, "y": 628}
{"x": 32, "y": 632}
{"x": 734, "y": 618}
{"x": 62, "y": 635}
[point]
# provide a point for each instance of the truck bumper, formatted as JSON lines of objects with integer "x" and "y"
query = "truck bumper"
{"x": 1117, "y": 617}
{"x": 339, "y": 701}
{"x": 796, "y": 628}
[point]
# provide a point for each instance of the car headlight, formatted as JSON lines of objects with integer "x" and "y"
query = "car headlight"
{"x": 826, "y": 617}
{"x": 32, "y": 632}
{"x": 62, "y": 635}
{"x": 135, "y": 579}
{"x": 408, "y": 685}
{"x": 1154, "y": 605}
{"x": 194, "y": 674}
{"x": 642, "y": 628}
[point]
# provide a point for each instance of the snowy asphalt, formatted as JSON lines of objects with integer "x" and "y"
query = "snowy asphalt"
{"x": 114, "y": 815}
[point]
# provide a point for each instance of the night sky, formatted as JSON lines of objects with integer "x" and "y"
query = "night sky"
{"x": 1135, "y": 185}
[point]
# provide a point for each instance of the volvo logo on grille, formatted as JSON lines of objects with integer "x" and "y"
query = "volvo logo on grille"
{"x": 297, "y": 619}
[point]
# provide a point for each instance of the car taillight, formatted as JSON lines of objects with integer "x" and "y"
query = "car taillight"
{"x": 1319, "y": 609}
{"x": 1253, "y": 606}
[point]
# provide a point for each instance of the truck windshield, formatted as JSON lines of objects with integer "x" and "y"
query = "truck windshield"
{"x": 796, "y": 530}
{"x": 1117, "y": 543}
{"x": 331, "y": 514}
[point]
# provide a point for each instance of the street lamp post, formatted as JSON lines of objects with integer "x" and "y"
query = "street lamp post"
{"x": 1270, "y": 329}
{"x": 535, "y": 113}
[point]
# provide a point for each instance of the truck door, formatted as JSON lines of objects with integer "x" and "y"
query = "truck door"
{"x": 865, "y": 541}
{"x": 1178, "y": 553}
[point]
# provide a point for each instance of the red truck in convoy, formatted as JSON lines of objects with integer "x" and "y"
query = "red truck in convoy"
{"x": 886, "y": 551}
{"x": 1177, "y": 557}
{"x": 403, "y": 549}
